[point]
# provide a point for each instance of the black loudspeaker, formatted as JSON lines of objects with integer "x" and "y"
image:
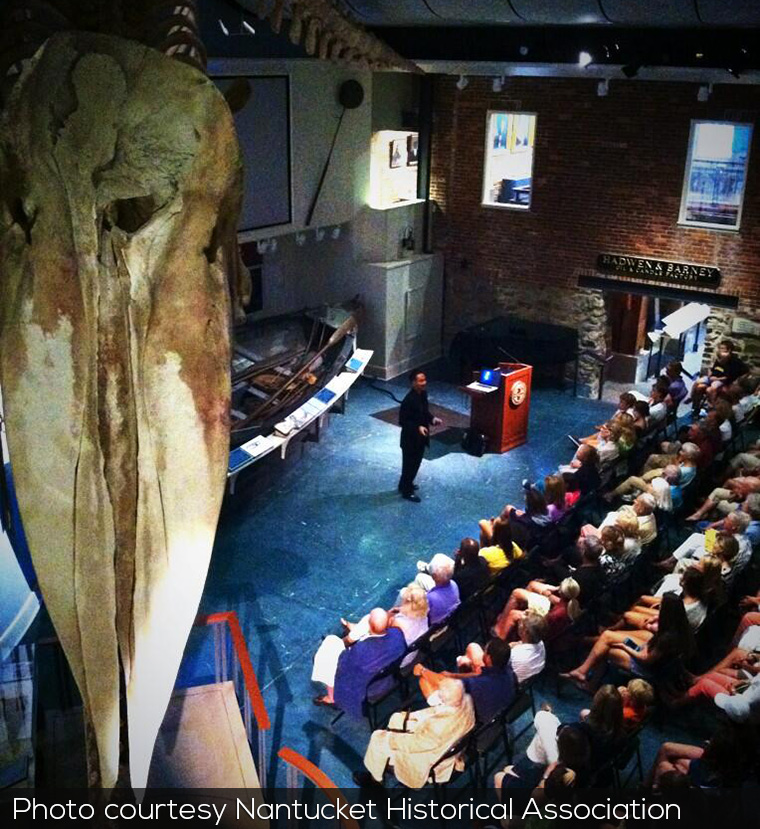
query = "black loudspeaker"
{"x": 351, "y": 94}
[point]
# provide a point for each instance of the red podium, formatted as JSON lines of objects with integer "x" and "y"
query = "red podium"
{"x": 502, "y": 415}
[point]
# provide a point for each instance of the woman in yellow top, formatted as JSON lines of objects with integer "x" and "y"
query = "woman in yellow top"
{"x": 502, "y": 550}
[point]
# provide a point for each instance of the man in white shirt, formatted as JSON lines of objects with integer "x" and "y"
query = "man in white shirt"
{"x": 529, "y": 653}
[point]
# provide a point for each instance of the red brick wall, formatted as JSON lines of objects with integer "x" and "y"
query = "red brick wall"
{"x": 608, "y": 174}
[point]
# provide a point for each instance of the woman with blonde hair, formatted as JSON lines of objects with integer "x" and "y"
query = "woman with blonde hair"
{"x": 557, "y": 604}
{"x": 410, "y": 615}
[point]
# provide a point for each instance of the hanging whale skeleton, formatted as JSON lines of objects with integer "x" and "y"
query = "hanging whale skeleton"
{"x": 120, "y": 186}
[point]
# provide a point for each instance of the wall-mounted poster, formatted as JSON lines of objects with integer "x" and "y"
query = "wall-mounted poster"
{"x": 397, "y": 152}
{"x": 412, "y": 149}
{"x": 501, "y": 125}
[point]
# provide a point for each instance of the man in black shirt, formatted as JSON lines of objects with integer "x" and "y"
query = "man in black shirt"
{"x": 415, "y": 420}
{"x": 727, "y": 368}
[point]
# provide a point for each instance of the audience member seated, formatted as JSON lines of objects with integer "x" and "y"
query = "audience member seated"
{"x": 530, "y": 525}
{"x": 614, "y": 561}
{"x": 607, "y": 441}
{"x": 727, "y": 498}
{"x": 552, "y": 744}
{"x": 723, "y": 761}
{"x": 638, "y": 699}
{"x": 644, "y": 613}
{"x": 724, "y": 416}
{"x": 414, "y": 741}
{"x": 743, "y": 397}
{"x": 492, "y": 687}
{"x": 581, "y": 561}
{"x": 630, "y": 521}
{"x": 496, "y": 545}
{"x": 655, "y": 657}
{"x": 443, "y": 598}
{"x": 666, "y": 489}
{"x": 676, "y": 388}
{"x": 747, "y": 461}
{"x": 713, "y": 588}
{"x": 686, "y": 458}
{"x": 557, "y": 604}
{"x": 658, "y": 408}
{"x": 410, "y": 616}
{"x": 603, "y": 724}
{"x": 470, "y": 569}
{"x": 347, "y": 670}
{"x": 726, "y": 369}
{"x": 641, "y": 423}
{"x": 582, "y": 473}
{"x": 555, "y": 495}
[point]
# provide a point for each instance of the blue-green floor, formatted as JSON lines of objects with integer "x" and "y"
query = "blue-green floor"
{"x": 326, "y": 535}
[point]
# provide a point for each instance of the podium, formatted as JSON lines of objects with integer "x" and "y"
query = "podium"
{"x": 502, "y": 415}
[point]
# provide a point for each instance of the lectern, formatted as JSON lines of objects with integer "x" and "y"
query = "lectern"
{"x": 502, "y": 415}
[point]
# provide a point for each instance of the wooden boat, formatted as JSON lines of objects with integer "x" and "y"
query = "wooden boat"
{"x": 281, "y": 362}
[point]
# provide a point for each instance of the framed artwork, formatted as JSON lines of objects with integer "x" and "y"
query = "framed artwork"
{"x": 412, "y": 149}
{"x": 397, "y": 152}
{"x": 520, "y": 139}
{"x": 501, "y": 127}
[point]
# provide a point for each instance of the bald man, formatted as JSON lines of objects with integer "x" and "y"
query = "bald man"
{"x": 347, "y": 670}
{"x": 414, "y": 742}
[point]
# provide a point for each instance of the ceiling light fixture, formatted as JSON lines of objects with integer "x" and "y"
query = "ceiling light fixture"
{"x": 584, "y": 59}
{"x": 336, "y": 232}
{"x": 247, "y": 26}
{"x": 225, "y": 30}
{"x": 703, "y": 93}
{"x": 498, "y": 83}
{"x": 603, "y": 88}
{"x": 462, "y": 82}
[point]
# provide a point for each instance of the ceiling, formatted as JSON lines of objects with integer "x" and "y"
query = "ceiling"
{"x": 649, "y": 13}
{"x": 692, "y": 40}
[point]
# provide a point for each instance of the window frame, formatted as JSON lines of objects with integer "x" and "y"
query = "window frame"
{"x": 524, "y": 208}
{"x": 682, "y": 220}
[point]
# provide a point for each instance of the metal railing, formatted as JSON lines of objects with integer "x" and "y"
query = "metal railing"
{"x": 233, "y": 662}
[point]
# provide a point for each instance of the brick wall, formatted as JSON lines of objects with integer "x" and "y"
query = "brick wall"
{"x": 608, "y": 175}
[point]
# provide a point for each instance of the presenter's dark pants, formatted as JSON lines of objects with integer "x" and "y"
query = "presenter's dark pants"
{"x": 411, "y": 460}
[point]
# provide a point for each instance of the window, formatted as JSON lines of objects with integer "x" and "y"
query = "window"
{"x": 716, "y": 172}
{"x": 508, "y": 177}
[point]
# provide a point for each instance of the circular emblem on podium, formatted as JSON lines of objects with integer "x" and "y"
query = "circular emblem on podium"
{"x": 519, "y": 393}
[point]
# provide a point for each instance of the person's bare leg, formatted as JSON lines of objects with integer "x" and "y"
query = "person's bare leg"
{"x": 505, "y": 624}
{"x": 598, "y": 653}
{"x": 486, "y": 532}
{"x": 747, "y": 621}
{"x": 639, "y": 617}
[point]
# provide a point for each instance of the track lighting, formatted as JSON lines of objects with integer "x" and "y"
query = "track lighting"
{"x": 703, "y": 93}
{"x": 584, "y": 59}
{"x": 462, "y": 82}
{"x": 603, "y": 88}
{"x": 498, "y": 83}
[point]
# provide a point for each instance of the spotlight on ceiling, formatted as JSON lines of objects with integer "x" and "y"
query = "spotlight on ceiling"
{"x": 225, "y": 30}
{"x": 734, "y": 71}
{"x": 498, "y": 83}
{"x": 603, "y": 88}
{"x": 524, "y": 51}
{"x": 584, "y": 59}
{"x": 703, "y": 93}
{"x": 630, "y": 70}
{"x": 247, "y": 26}
{"x": 462, "y": 82}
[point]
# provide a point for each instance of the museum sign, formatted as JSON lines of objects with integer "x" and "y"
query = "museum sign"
{"x": 679, "y": 273}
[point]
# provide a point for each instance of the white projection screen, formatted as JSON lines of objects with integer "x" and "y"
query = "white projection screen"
{"x": 263, "y": 126}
